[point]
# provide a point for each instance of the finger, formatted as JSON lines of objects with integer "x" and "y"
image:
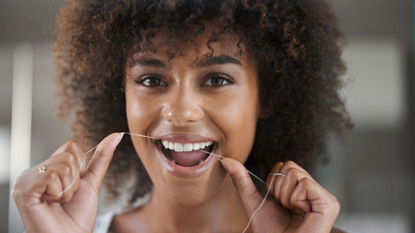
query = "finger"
{"x": 49, "y": 184}
{"x": 321, "y": 207}
{"x": 101, "y": 160}
{"x": 64, "y": 147}
{"x": 64, "y": 186}
{"x": 34, "y": 185}
{"x": 73, "y": 148}
{"x": 289, "y": 183}
{"x": 271, "y": 176}
{"x": 246, "y": 188}
{"x": 53, "y": 188}
{"x": 309, "y": 196}
{"x": 290, "y": 164}
{"x": 283, "y": 168}
{"x": 66, "y": 158}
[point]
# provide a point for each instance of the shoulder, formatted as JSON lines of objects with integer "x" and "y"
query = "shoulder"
{"x": 335, "y": 230}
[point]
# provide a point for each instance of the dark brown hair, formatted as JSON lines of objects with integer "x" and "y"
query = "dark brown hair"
{"x": 297, "y": 42}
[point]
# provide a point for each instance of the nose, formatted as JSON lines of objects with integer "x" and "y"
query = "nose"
{"x": 182, "y": 107}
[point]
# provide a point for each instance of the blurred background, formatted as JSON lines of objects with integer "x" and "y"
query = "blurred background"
{"x": 371, "y": 172}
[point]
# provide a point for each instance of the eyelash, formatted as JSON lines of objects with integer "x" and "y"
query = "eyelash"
{"x": 143, "y": 79}
{"x": 222, "y": 77}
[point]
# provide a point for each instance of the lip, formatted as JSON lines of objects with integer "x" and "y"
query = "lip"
{"x": 181, "y": 171}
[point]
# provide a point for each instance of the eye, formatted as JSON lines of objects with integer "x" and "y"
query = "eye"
{"x": 151, "y": 81}
{"x": 218, "y": 80}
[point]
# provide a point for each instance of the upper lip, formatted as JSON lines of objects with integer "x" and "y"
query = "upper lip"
{"x": 185, "y": 138}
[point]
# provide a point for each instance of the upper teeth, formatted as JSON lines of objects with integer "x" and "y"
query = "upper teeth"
{"x": 179, "y": 147}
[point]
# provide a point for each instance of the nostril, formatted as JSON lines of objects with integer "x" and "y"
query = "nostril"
{"x": 180, "y": 110}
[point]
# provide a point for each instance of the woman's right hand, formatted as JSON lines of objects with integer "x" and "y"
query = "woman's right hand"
{"x": 36, "y": 193}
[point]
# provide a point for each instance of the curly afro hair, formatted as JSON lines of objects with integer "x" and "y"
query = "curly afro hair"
{"x": 298, "y": 44}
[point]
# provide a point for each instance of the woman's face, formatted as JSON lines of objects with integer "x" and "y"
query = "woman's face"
{"x": 190, "y": 102}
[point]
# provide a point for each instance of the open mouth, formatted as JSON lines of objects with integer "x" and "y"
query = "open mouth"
{"x": 188, "y": 154}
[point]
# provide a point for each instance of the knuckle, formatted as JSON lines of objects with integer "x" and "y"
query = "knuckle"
{"x": 100, "y": 152}
{"x": 70, "y": 160}
{"x": 289, "y": 164}
{"x": 277, "y": 166}
{"x": 304, "y": 182}
{"x": 286, "y": 166}
{"x": 26, "y": 171}
{"x": 292, "y": 171}
{"x": 336, "y": 206}
{"x": 16, "y": 191}
{"x": 334, "y": 203}
{"x": 66, "y": 168}
{"x": 72, "y": 144}
{"x": 51, "y": 175}
{"x": 69, "y": 157}
{"x": 18, "y": 181}
{"x": 242, "y": 177}
{"x": 333, "y": 207}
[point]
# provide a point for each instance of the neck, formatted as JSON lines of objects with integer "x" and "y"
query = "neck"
{"x": 223, "y": 213}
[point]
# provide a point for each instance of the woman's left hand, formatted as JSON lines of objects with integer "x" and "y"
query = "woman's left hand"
{"x": 304, "y": 205}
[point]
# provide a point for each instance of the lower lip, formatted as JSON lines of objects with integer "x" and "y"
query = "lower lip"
{"x": 186, "y": 172}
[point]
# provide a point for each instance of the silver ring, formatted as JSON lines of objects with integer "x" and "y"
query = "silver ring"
{"x": 42, "y": 169}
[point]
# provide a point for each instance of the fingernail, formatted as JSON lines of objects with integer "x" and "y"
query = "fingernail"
{"x": 120, "y": 138}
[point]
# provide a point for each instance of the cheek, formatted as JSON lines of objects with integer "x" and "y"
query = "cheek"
{"x": 140, "y": 112}
{"x": 237, "y": 118}
{"x": 141, "y": 115}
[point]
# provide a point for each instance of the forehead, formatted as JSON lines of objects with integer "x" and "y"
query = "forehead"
{"x": 223, "y": 48}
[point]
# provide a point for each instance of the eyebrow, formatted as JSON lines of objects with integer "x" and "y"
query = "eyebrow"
{"x": 218, "y": 60}
{"x": 149, "y": 62}
{"x": 211, "y": 61}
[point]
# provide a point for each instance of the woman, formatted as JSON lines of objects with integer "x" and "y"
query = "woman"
{"x": 255, "y": 82}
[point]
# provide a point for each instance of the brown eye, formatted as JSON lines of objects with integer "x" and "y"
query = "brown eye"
{"x": 151, "y": 81}
{"x": 217, "y": 81}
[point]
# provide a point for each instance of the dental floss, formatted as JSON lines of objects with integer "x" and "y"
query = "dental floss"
{"x": 77, "y": 173}
{"x": 144, "y": 136}
{"x": 218, "y": 156}
{"x": 263, "y": 201}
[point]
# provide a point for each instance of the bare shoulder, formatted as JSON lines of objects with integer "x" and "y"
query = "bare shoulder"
{"x": 335, "y": 230}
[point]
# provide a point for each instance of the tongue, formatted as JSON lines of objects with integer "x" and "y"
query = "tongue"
{"x": 188, "y": 159}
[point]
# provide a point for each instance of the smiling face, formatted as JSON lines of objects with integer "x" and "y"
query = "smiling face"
{"x": 189, "y": 102}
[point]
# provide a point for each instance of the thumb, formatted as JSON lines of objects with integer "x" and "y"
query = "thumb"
{"x": 246, "y": 188}
{"x": 101, "y": 160}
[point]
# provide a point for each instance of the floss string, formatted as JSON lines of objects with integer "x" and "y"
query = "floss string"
{"x": 218, "y": 156}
